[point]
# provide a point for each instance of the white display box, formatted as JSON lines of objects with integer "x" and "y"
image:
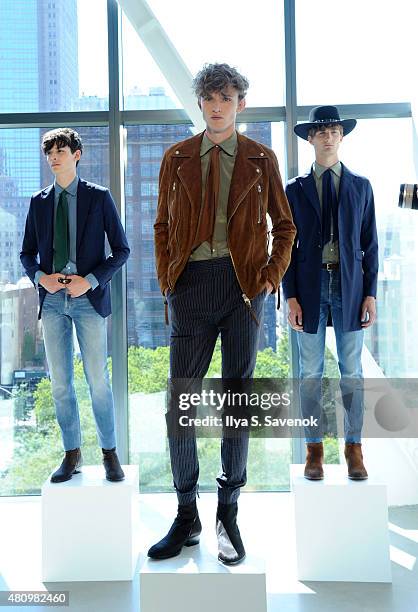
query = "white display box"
{"x": 90, "y": 527}
{"x": 341, "y": 527}
{"x": 197, "y": 581}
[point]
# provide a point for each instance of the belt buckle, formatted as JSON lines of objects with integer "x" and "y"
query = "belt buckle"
{"x": 64, "y": 280}
{"x": 329, "y": 267}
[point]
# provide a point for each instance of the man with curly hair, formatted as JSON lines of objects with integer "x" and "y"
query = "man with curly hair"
{"x": 214, "y": 269}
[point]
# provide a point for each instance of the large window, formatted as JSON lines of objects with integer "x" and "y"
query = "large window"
{"x": 355, "y": 53}
{"x": 382, "y": 150}
{"x": 47, "y": 55}
{"x": 128, "y": 89}
{"x": 196, "y": 36}
{"x": 148, "y": 334}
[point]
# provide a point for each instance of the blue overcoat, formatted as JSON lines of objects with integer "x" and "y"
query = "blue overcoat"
{"x": 357, "y": 245}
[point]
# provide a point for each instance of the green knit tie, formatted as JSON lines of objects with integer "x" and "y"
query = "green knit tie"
{"x": 61, "y": 240}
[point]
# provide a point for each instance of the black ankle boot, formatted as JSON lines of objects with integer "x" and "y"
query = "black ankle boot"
{"x": 230, "y": 547}
{"x": 185, "y": 531}
{"x": 113, "y": 469}
{"x": 70, "y": 465}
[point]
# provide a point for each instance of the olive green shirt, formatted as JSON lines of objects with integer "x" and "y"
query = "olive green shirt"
{"x": 226, "y": 163}
{"x": 330, "y": 252}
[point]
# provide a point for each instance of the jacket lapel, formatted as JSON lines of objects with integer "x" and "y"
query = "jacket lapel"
{"x": 47, "y": 221}
{"x": 345, "y": 186}
{"x": 189, "y": 172}
{"x": 84, "y": 196}
{"x": 245, "y": 174}
{"x": 308, "y": 187}
{"x": 47, "y": 208}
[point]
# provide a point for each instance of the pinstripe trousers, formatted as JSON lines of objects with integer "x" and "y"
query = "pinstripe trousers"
{"x": 207, "y": 301}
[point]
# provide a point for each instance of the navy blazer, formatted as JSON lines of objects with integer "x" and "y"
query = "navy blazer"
{"x": 357, "y": 237}
{"x": 96, "y": 217}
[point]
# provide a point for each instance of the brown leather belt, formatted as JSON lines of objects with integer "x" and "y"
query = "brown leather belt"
{"x": 331, "y": 266}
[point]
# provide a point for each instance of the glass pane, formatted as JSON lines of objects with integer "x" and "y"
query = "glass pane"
{"x": 356, "y": 52}
{"x": 49, "y": 58}
{"x": 383, "y": 151}
{"x": 148, "y": 335}
{"x": 30, "y": 440}
{"x": 253, "y": 42}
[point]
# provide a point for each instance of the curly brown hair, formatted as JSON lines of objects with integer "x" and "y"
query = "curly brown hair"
{"x": 216, "y": 77}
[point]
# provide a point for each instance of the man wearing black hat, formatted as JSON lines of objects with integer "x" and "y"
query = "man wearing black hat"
{"x": 332, "y": 274}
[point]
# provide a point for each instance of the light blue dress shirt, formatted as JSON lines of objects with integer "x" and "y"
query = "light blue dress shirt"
{"x": 71, "y": 267}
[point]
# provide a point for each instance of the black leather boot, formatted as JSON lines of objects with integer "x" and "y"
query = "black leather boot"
{"x": 185, "y": 531}
{"x": 113, "y": 469}
{"x": 230, "y": 547}
{"x": 70, "y": 465}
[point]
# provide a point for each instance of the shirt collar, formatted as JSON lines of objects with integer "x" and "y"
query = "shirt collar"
{"x": 319, "y": 170}
{"x": 228, "y": 146}
{"x": 71, "y": 189}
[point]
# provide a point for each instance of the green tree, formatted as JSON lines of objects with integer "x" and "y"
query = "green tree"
{"x": 38, "y": 448}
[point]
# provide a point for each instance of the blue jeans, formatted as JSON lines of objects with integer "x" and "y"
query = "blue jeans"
{"x": 59, "y": 312}
{"x": 311, "y": 364}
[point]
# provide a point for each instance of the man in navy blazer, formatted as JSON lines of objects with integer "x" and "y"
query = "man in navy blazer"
{"x": 332, "y": 275}
{"x": 63, "y": 253}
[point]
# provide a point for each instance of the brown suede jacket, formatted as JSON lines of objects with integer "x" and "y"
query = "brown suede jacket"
{"x": 256, "y": 189}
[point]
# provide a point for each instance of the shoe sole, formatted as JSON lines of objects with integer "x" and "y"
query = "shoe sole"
{"x": 115, "y": 479}
{"x": 311, "y": 478}
{"x": 231, "y": 562}
{"x": 192, "y": 541}
{"x": 358, "y": 477}
{"x": 189, "y": 542}
{"x": 66, "y": 479}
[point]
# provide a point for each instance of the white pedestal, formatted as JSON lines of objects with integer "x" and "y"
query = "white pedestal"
{"x": 90, "y": 527}
{"x": 341, "y": 527}
{"x": 197, "y": 581}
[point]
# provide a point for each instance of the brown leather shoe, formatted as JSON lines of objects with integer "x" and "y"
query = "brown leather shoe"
{"x": 314, "y": 459}
{"x": 354, "y": 458}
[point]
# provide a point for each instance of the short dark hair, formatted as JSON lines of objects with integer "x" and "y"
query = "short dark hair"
{"x": 323, "y": 126}
{"x": 216, "y": 77}
{"x": 62, "y": 137}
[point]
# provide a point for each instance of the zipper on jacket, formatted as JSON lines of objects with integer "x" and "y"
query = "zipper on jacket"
{"x": 260, "y": 205}
{"x": 247, "y": 302}
{"x": 246, "y": 299}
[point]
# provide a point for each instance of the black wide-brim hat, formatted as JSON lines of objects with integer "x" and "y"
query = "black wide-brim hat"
{"x": 324, "y": 115}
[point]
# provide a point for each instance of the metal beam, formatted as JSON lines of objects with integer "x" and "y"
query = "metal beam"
{"x": 298, "y": 450}
{"x": 118, "y": 285}
{"x": 165, "y": 55}
{"x": 170, "y": 117}
{"x": 390, "y": 110}
{"x": 53, "y": 119}
{"x": 291, "y": 94}
{"x": 176, "y": 116}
